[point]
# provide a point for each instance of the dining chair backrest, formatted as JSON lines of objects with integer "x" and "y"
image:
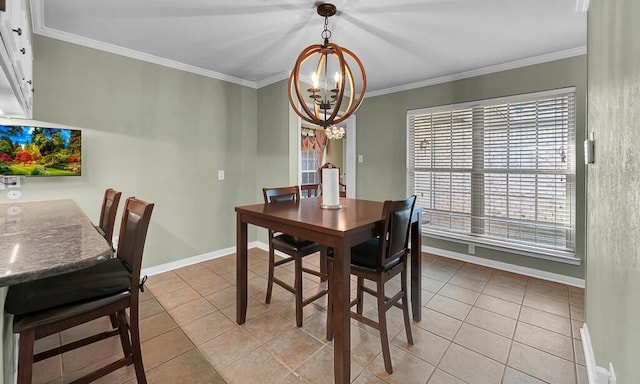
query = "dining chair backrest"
{"x": 394, "y": 238}
{"x": 309, "y": 190}
{"x": 108, "y": 213}
{"x": 133, "y": 234}
{"x": 281, "y": 194}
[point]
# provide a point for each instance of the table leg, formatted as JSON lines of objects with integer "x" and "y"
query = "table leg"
{"x": 416, "y": 267}
{"x": 241, "y": 270}
{"x": 341, "y": 318}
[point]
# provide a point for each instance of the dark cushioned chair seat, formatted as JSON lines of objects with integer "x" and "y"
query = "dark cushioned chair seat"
{"x": 101, "y": 280}
{"x": 295, "y": 244}
{"x": 364, "y": 257}
{"x": 53, "y": 315}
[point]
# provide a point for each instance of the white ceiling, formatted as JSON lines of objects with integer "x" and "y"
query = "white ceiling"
{"x": 402, "y": 44}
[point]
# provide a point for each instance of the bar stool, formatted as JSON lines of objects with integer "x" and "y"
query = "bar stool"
{"x": 296, "y": 248}
{"x": 47, "y": 306}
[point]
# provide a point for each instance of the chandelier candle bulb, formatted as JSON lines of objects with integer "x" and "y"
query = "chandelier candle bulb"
{"x": 330, "y": 189}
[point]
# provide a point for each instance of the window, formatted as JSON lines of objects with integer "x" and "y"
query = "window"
{"x": 498, "y": 172}
{"x": 309, "y": 163}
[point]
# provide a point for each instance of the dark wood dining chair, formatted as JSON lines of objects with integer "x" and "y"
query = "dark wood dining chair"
{"x": 296, "y": 249}
{"x": 310, "y": 190}
{"x": 342, "y": 188}
{"x": 108, "y": 212}
{"x": 380, "y": 260}
{"x": 47, "y": 306}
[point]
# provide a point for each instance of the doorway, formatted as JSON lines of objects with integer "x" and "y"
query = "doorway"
{"x": 341, "y": 152}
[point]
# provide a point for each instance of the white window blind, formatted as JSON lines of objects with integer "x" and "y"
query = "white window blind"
{"x": 499, "y": 171}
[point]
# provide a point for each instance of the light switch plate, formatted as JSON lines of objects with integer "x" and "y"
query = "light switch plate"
{"x": 588, "y": 152}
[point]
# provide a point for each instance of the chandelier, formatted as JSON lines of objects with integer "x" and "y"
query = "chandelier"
{"x": 333, "y": 93}
{"x": 334, "y": 133}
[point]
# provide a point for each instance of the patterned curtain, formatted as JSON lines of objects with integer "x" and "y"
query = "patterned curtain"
{"x": 320, "y": 143}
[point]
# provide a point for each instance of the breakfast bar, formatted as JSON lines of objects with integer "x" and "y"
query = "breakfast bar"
{"x": 40, "y": 239}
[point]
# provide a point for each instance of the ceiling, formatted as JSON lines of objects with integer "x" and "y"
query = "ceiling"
{"x": 402, "y": 44}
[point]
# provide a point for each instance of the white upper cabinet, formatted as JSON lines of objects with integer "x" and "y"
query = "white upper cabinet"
{"x": 16, "y": 56}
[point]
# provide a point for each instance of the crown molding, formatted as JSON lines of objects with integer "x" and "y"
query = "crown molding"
{"x": 37, "y": 15}
{"x": 273, "y": 79}
{"x": 90, "y": 43}
{"x": 37, "y": 9}
{"x": 484, "y": 71}
{"x": 582, "y": 6}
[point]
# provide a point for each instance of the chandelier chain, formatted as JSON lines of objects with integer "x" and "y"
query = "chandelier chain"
{"x": 326, "y": 33}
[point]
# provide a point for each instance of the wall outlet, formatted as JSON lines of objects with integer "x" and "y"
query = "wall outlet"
{"x": 221, "y": 174}
{"x": 360, "y": 159}
{"x": 472, "y": 249}
{"x": 12, "y": 181}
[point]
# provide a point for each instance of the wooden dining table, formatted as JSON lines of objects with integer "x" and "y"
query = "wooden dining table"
{"x": 357, "y": 221}
{"x": 40, "y": 239}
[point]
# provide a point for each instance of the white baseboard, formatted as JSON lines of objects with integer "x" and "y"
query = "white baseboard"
{"x": 595, "y": 374}
{"x": 558, "y": 278}
{"x": 262, "y": 245}
{"x": 193, "y": 260}
{"x": 436, "y": 251}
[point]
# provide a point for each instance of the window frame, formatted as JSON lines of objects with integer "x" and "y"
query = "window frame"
{"x": 313, "y": 172}
{"x": 567, "y": 255}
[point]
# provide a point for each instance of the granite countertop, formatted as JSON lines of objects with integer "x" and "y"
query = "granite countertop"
{"x": 44, "y": 238}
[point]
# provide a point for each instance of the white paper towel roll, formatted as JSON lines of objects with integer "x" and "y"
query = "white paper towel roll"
{"x": 330, "y": 187}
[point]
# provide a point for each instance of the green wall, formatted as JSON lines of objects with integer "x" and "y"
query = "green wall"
{"x": 162, "y": 135}
{"x": 273, "y": 137}
{"x": 154, "y": 132}
{"x": 277, "y": 142}
{"x": 382, "y": 140}
{"x": 613, "y": 222}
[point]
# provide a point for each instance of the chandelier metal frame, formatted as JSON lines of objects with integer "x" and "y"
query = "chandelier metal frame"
{"x": 326, "y": 100}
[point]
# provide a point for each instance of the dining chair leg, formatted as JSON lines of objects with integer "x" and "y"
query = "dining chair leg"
{"x": 114, "y": 320}
{"x": 267, "y": 300}
{"x": 359, "y": 295}
{"x": 382, "y": 325}
{"x": 330, "y": 301}
{"x": 298, "y": 289}
{"x": 121, "y": 321}
{"x": 25, "y": 357}
{"x": 405, "y": 305}
{"x": 134, "y": 328}
{"x": 323, "y": 264}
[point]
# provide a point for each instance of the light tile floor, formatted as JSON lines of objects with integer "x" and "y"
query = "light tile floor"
{"x": 479, "y": 325}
